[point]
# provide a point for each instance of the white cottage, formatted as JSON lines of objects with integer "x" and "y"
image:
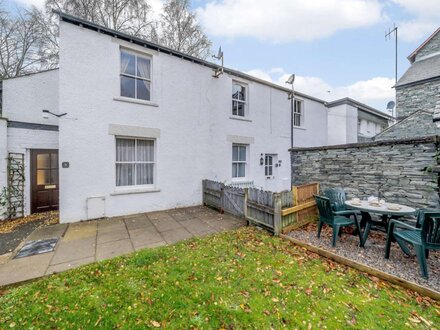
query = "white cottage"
{"x": 127, "y": 126}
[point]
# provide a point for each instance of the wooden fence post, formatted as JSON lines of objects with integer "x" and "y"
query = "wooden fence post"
{"x": 245, "y": 200}
{"x": 222, "y": 199}
{"x": 277, "y": 225}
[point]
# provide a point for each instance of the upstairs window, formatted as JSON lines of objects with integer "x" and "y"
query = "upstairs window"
{"x": 239, "y": 98}
{"x": 239, "y": 163}
{"x": 298, "y": 114}
{"x": 135, "y": 76}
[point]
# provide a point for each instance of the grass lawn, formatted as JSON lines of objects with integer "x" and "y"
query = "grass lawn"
{"x": 240, "y": 279}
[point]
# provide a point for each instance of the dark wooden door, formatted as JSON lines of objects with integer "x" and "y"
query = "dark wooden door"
{"x": 45, "y": 183}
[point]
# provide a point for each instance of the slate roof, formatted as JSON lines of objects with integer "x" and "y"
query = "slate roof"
{"x": 422, "y": 70}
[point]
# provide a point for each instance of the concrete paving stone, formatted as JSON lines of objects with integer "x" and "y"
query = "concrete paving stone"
{"x": 52, "y": 231}
{"x": 138, "y": 222}
{"x": 145, "y": 236}
{"x": 176, "y": 235}
{"x": 117, "y": 234}
{"x": 4, "y": 258}
{"x": 196, "y": 226}
{"x": 80, "y": 230}
{"x": 165, "y": 224}
{"x": 68, "y": 265}
{"x": 23, "y": 269}
{"x": 158, "y": 215}
{"x": 74, "y": 250}
{"x": 150, "y": 246}
{"x": 113, "y": 249}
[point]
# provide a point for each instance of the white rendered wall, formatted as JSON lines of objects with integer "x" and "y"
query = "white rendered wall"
{"x": 192, "y": 114}
{"x": 342, "y": 124}
{"x": 25, "y": 97}
{"x": 3, "y": 155}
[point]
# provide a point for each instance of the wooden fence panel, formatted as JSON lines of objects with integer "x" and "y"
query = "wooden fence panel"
{"x": 274, "y": 211}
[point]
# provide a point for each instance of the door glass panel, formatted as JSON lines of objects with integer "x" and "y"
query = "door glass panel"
{"x": 54, "y": 160}
{"x": 43, "y": 177}
{"x": 43, "y": 161}
{"x": 54, "y": 177}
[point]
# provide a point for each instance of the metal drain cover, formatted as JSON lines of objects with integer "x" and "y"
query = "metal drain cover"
{"x": 37, "y": 247}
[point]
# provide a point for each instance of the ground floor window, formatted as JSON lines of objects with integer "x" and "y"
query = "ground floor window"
{"x": 239, "y": 164}
{"x": 135, "y": 162}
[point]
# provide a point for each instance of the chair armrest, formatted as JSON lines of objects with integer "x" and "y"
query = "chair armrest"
{"x": 396, "y": 223}
{"x": 347, "y": 212}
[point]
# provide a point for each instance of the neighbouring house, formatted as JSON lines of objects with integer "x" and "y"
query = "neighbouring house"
{"x": 127, "y": 126}
{"x": 418, "y": 93}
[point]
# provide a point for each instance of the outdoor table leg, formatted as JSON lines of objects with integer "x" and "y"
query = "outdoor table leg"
{"x": 366, "y": 220}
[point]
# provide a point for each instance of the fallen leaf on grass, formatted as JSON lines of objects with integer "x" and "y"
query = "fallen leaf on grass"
{"x": 155, "y": 324}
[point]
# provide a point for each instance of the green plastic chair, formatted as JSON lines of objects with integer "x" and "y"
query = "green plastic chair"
{"x": 423, "y": 239}
{"x": 326, "y": 216}
{"x": 337, "y": 199}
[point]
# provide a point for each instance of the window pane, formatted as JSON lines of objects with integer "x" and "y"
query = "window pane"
{"x": 235, "y": 108}
{"x": 127, "y": 63}
{"x": 143, "y": 67}
{"x": 238, "y": 92}
{"x": 43, "y": 177}
{"x": 240, "y": 109}
{"x": 124, "y": 174}
{"x": 234, "y": 170}
{"x": 143, "y": 89}
{"x": 125, "y": 150}
{"x": 43, "y": 161}
{"x": 298, "y": 106}
{"x": 144, "y": 174}
{"x": 128, "y": 86}
{"x": 242, "y": 154}
{"x": 235, "y": 153}
{"x": 241, "y": 170}
{"x": 145, "y": 150}
{"x": 297, "y": 120}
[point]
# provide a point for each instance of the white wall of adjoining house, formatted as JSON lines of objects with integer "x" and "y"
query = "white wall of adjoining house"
{"x": 25, "y": 97}
{"x": 342, "y": 124}
{"x": 3, "y": 155}
{"x": 192, "y": 113}
{"x": 22, "y": 141}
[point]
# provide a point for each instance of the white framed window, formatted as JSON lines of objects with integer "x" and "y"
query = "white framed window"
{"x": 239, "y": 99}
{"x": 135, "y": 75}
{"x": 239, "y": 160}
{"x": 298, "y": 113}
{"x": 268, "y": 165}
{"x": 135, "y": 162}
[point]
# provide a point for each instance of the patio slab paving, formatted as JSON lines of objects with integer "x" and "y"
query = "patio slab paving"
{"x": 86, "y": 242}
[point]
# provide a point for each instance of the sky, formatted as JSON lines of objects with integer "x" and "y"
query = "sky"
{"x": 336, "y": 48}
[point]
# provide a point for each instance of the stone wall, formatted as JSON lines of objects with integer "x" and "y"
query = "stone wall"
{"x": 398, "y": 169}
{"x": 419, "y": 124}
{"x": 411, "y": 98}
{"x": 431, "y": 47}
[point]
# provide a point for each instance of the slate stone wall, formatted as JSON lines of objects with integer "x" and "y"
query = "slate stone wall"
{"x": 419, "y": 124}
{"x": 400, "y": 170}
{"x": 411, "y": 98}
{"x": 431, "y": 47}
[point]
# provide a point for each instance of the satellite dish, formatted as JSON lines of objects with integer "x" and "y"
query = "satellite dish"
{"x": 219, "y": 71}
{"x": 391, "y": 105}
{"x": 219, "y": 54}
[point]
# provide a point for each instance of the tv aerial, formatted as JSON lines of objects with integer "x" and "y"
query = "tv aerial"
{"x": 219, "y": 71}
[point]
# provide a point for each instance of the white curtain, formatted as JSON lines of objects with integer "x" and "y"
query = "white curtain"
{"x": 125, "y": 152}
{"x": 144, "y": 71}
{"x": 134, "y": 162}
{"x": 125, "y": 60}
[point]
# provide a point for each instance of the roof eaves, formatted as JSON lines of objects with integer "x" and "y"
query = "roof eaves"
{"x": 120, "y": 35}
{"x": 359, "y": 105}
{"x": 414, "y": 53}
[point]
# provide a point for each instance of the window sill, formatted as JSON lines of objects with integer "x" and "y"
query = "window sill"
{"x": 299, "y": 127}
{"x": 128, "y": 191}
{"x": 240, "y": 118}
{"x": 135, "y": 101}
